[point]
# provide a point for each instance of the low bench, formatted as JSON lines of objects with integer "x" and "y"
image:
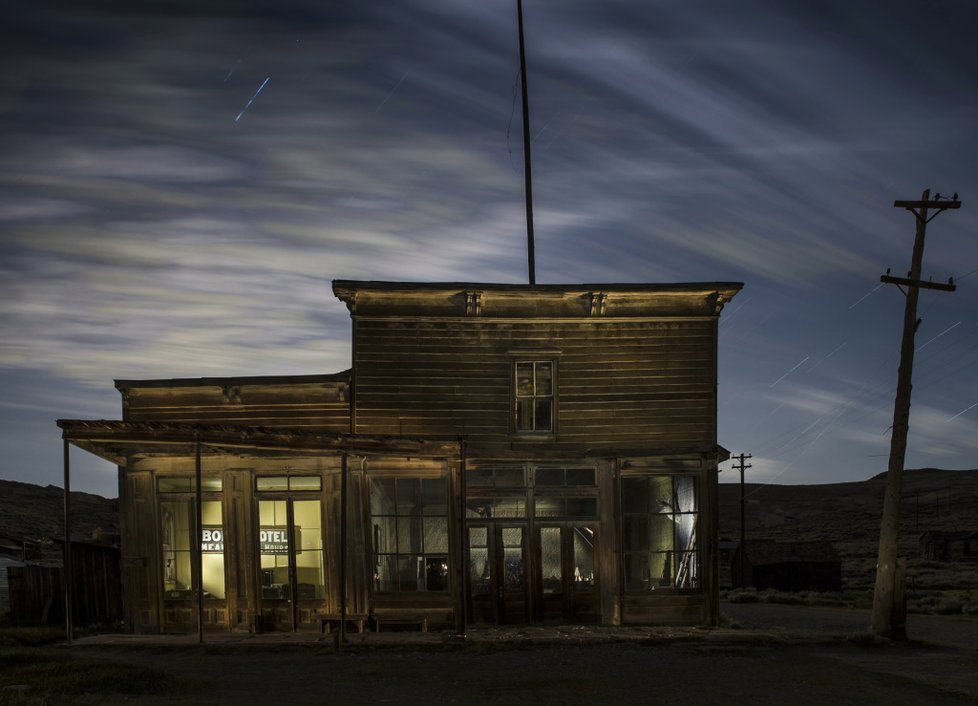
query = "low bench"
{"x": 327, "y": 620}
{"x": 386, "y": 618}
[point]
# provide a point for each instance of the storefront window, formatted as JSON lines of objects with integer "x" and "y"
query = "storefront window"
{"x": 274, "y": 536}
{"x": 177, "y": 521}
{"x": 410, "y": 534}
{"x": 659, "y": 532}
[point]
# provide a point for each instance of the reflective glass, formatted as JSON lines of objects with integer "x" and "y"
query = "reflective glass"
{"x": 583, "y": 559}
{"x": 544, "y": 379}
{"x": 272, "y": 483}
{"x": 550, "y": 563}
{"x": 305, "y": 483}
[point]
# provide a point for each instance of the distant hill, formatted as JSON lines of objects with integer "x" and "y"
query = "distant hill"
{"x": 849, "y": 514}
{"x": 35, "y": 513}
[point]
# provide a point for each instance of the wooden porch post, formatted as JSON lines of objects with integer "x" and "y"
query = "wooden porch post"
{"x": 67, "y": 549}
{"x": 199, "y": 556}
{"x": 344, "y": 472}
{"x": 463, "y": 544}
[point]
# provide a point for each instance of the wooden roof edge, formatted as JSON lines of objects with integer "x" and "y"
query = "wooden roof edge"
{"x": 638, "y": 287}
{"x": 342, "y": 376}
{"x": 122, "y": 432}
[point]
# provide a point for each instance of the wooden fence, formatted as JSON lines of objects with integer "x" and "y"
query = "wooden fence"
{"x": 37, "y": 592}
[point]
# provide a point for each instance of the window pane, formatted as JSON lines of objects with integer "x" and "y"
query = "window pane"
{"x": 524, "y": 414}
{"x": 583, "y": 559}
{"x": 660, "y": 493}
{"x": 478, "y": 507}
{"x": 436, "y": 573}
{"x": 548, "y": 507}
{"x": 479, "y": 477}
{"x": 212, "y": 568}
{"x": 660, "y": 533}
{"x": 435, "y": 535}
{"x": 635, "y": 496}
{"x": 409, "y": 569}
{"x": 544, "y": 379}
{"x": 212, "y": 549}
{"x": 305, "y": 483}
{"x": 479, "y": 570}
{"x": 509, "y": 507}
{"x": 685, "y": 532}
{"x": 550, "y": 564}
{"x": 687, "y": 571}
{"x": 382, "y": 496}
{"x": 385, "y": 575}
{"x": 660, "y": 569}
{"x": 635, "y": 536}
{"x": 408, "y": 496}
{"x": 512, "y": 558}
{"x": 685, "y": 493}
{"x": 171, "y": 484}
{"x": 210, "y": 484}
{"x": 478, "y": 536}
{"x": 580, "y": 476}
{"x": 435, "y": 496}
{"x": 308, "y": 525}
{"x": 582, "y": 507}
{"x": 543, "y": 415}
{"x": 509, "y": 477}
{"x": 385, "y": 535}
{"x": 524, "y": 379}
{"x": 272, "y": 483}
{"x": 550, "y": 476}
{"x": 409, "y": 535}
{"x": 175, "y": 533}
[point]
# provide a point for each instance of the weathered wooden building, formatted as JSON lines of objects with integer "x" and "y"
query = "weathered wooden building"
{"x": 951, "y": 546}
{"x": 787, "y": 566}
{"x": 499, "y": 453}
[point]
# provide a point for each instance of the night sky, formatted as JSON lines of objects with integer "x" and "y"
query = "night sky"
{"x": 180, "y": 182}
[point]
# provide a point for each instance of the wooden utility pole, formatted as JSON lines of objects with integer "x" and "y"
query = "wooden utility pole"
{"x": 743, "y": 526}
{"x": 889, "y": 618}
{"x": 531, "y": 263}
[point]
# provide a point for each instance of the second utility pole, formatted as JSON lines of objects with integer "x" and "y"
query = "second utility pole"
{"x": 889, "y": 617}
{"x": 743, "y": 531}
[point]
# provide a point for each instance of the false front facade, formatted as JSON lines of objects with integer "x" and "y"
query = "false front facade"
{"x": 496, "y": 454}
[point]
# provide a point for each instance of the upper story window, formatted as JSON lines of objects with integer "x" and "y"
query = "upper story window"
{"x": 535, "y": 396}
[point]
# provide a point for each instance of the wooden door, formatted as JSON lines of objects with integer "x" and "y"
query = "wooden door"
{"x": 564, "y": 575}
{"x": 498, "y": 573}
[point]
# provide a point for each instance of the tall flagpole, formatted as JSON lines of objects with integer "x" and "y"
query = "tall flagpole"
{"x": 526, "y": 153}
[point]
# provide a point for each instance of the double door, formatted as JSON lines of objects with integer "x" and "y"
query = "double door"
{"x": 290, "y": 552}
{"x": 519, "y": 576}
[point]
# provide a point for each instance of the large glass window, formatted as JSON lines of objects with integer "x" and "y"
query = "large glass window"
{"x": 410, "y": 534}
{"x": 659, "y": 532}
{"x": 274, "y": 537}
{"x": 535, "y": 396}
{"x": 176, "y": 517}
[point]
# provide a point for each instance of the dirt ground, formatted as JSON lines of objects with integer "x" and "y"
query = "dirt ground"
{"x": 770, "y": 655}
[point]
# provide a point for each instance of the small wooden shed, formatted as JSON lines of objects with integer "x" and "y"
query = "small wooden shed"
{"x": 949, "y": 546}
{"x": 788, "y": 566}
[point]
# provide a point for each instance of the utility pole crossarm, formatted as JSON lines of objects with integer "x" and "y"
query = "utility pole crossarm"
{"x": 949, "y": 287}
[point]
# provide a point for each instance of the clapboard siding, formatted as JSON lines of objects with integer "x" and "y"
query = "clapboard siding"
{"x": 315, "y": 406}
{"x": 625, "y": 383}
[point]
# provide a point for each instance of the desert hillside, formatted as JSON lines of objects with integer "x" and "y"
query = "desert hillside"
{"x": 35, "y": 513}
{"x": 848, "y": 515}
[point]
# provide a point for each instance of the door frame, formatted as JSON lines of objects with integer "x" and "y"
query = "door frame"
{"x": 496, "y": 551}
